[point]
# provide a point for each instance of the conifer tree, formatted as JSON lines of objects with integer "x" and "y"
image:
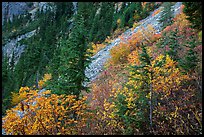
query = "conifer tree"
{"x": 72, "y": 60}
{"x": 169, "y": 42}
{"x": 102, "y": 24}
{"x": 194, "y": 12}
{"x": 173, "y": 45}
{"x": 8, "y": 83}
{"x": 167, "y": 15}
{"x": 87, "y": 9}
{"x": 190, "y": 61}
{"x": 144, "y": 77}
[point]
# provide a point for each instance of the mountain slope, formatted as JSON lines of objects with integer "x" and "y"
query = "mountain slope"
{"x": 145, "y": 78}
{"x": 101, "y": 57}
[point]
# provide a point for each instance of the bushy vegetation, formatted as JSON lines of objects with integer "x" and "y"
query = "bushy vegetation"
{"x": 151, "y": 85}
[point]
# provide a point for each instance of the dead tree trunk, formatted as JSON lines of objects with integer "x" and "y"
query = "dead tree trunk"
{"x": 151, "y": 104}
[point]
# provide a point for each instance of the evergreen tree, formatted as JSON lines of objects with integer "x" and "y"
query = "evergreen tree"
{"x": 190, "y": 61}
{"x": 8, "y": 83}
{"x": 64, "y": 11}
{"x": 169, "y": 42}
{"x": 174, "y": 46}
{"x": 20, "y": 71}
{"x": 64, "y": 8}
{"x": 72, "y": 60}
{"x": 139, "y": 10}
{"x": 5, "y": 75}
{"x": 167, "y": 15}
{"x": 107, "y": 11}
{"x": 88, "y": 11}
{"x": 94, "y": 29}
{"x": 130, "y": 14}
{"x": 145, "y": 11}
{"x": 12, "y": 63}
{"x": 102, "y": 24}
{"x": 144, "y": 77}
{"x": 120, "y": 16}
{"x": 194, "y": 12}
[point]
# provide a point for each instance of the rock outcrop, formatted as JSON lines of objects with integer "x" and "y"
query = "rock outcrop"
{"x": 14, "y": 46}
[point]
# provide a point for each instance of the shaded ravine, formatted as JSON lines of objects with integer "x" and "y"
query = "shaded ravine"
{"x": 98, "y": 60}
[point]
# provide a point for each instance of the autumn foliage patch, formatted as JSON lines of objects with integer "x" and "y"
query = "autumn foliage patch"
{"x": 47, "y": 114}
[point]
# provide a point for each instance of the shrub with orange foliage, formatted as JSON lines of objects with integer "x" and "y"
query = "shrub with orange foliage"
{"x": 97, "y": 47}
{"x": 177, "y": 105}
{"x": 119, "y": 54}
{"x": 156, "y": 37}
{"x": 176, "y": 108}
{"x": 136, "y": 24}
{"x": 181, "y": 8}
{"x": 180, "y": 23}
{"x": 143, "y": 35}
{"x": 133, "y": 58}
{"x": 17, "y": 97}
{"x": 108, "y": 40}
{"x": 47, "y": 114}
{"x": 182, "y": 33}
{"x": 156, "y": 12}
{"x": 109, "y": 80}
{"x": 118, "y": 22}
{"x": 117, "y": 32}
{"x": 42, "y": 82}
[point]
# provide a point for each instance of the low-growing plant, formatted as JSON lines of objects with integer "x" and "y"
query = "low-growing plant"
{"x": 47, "y": 114}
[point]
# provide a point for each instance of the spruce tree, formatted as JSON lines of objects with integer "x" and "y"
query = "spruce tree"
{"x": 72, "y": 60}
{"x": 107, "y": 11}
{"x": 94, "y": 29}
{"x": 169, "y": 42}
{"x": 167, "y": 15}
{"x": 20, "y": 71}
{"x": 194, "y": 12}
{"x": 102, "y": 24}
{"x": 174, "y": 46}
{"x": 8, "y": 83}
{"x": 145, "y": 77}
{"x": 190, "y": 60}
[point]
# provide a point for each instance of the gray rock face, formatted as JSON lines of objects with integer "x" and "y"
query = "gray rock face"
{"x": 98, "y": 60}
{"x": 14, "y": 46}
{"x": 75, "y": 7}
{"x": 13, "y": 8}
{"x": 18, "y": 8}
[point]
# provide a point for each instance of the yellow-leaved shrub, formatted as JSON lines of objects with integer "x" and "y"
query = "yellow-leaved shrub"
{"x": 119, "y": 54}
{"x": 17, "y": 97}
{"x": 47, "y": 114}
{"x": 97, "y": 47}
{"x": 46, "y": 77}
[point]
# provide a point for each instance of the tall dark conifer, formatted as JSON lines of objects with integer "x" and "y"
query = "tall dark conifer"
{"x": 194, "y": 12}
{"x": 167, "y": 15}
{"x": 72, "y": 60}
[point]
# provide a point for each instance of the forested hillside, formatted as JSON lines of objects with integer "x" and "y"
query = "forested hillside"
{"x": 130, "y": 68}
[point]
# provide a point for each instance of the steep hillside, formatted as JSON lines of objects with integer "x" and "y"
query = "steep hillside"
{"x": 44, "y": 24}
{"x": 101, "y": 57}
{"x": 92, "y": 68}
